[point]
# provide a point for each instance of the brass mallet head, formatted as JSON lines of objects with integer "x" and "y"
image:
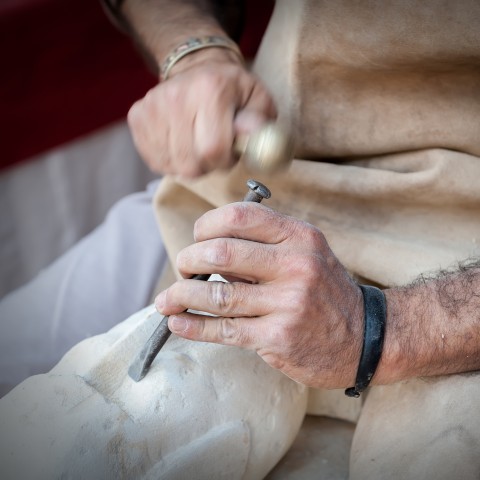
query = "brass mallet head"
{"x": 267, "y": 150}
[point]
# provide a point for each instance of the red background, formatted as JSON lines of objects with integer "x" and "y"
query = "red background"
{"x": 66, "y": 71}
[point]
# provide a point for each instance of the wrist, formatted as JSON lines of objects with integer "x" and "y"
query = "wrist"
{"x": 400, "y": 358}
{"x": 353, "y": 343}
{"x": 423, "y": 336}
{"x": 200, "y": 50}
{"x": 160, "y": 27}
{"x": 390, "y": 364}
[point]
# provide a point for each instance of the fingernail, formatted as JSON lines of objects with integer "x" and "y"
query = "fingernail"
{"x": 177, "y": 324}
{"x": 160, "y": 301}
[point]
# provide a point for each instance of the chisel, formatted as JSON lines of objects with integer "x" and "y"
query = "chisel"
{"x": 270, "y": 149}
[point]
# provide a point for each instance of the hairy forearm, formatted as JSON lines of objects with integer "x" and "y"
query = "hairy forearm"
{"x": 160, "y": 25}
{"x": 433, "y": 327}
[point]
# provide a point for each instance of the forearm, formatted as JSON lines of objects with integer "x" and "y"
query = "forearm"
{"x": 433, "y": 327}
{"x": 161, "y": 25}
{"x": 186, "y": 124}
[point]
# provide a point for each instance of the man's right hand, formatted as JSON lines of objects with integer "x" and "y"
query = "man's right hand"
{"x": 186, "y": 125}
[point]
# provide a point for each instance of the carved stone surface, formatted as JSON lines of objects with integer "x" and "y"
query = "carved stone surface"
{"x": 203, "y": 411}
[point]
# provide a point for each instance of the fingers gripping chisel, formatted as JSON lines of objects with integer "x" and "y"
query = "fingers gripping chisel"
{"x": 267, "y": 150}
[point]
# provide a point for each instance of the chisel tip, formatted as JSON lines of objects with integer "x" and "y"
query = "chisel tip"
{"x": 140, "y": 366}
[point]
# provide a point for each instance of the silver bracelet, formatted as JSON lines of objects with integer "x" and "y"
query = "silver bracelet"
{"x": 192, "y": 45}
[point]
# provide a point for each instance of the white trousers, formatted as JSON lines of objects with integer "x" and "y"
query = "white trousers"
{"x": 110, "y": 274}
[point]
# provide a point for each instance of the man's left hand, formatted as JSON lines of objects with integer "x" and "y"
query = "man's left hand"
{"x": 289, "y": 298}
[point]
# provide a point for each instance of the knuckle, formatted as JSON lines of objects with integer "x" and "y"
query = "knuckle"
{"x": 275, "y": 356}
{"x": 309, "y": 267}
{"x": 298, "y": 301}
{"x": 275, "y": 362}
{"x": 149, "y": 96}
{"x": 222, "y": 296}
{"x": 172, "y": 93}
{"x": 313, "y": 237}
{"x": 238, "y": 214}
{"x": 306, "y": 267}
{"x": 133, "y": 114}
{"x": 221, "y": 253}
{"x": 226, "y": 329}
{"x": 212, "y": 149}
{"x": 288, "y": 226}
{"x": 231, "y": 333}
{"x": 191, "y": 170}
{"x": 211, "y": 81}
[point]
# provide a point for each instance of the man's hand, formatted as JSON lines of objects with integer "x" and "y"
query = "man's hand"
{"x": 187, "y": 124}
{"x": 292, "y": 302}
{"x": 290, "y": 299}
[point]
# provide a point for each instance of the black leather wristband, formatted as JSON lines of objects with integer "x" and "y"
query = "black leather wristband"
{"x": 375, "y": 307}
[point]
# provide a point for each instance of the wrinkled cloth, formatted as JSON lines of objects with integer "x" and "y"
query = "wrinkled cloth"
{"x": 384, "y": 102}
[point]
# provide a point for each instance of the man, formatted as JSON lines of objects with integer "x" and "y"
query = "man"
{"x": 369, "y": 89}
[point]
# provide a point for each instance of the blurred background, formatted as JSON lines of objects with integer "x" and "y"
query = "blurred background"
{"x": 68, "y": 78}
